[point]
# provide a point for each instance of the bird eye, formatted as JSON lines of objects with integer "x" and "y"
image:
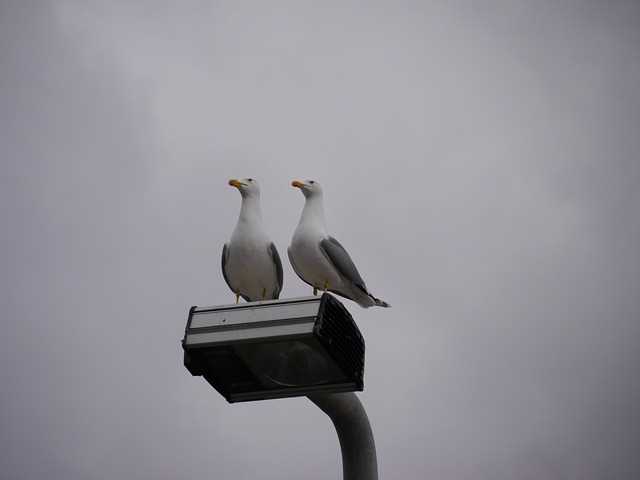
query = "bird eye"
{"x": 250, "y": 179}
{"x": 311, "y": 182}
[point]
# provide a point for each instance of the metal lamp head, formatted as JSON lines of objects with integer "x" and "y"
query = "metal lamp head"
{"x": 274, "y": 349}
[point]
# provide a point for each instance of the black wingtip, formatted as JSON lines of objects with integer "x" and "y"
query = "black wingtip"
{"x": 379, "y": 303}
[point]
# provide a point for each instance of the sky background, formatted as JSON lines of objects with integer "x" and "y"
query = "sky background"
{"x": 479, "y": 161}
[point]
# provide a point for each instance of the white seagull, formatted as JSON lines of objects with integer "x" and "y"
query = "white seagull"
{"x": 250, "y": 262}
{"x": 319, "y": 259}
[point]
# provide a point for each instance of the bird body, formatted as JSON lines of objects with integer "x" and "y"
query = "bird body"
{"x": 308, "y": 260}
{"x": 250, "y": 262}
{"x": 319, "y": 259}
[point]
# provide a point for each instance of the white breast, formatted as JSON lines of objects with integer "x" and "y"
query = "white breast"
{"x": 250, "y": 267}
{"x": 309, "y": 260}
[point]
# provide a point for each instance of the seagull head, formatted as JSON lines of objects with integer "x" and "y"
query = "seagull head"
{"x": 248, "y": 187}
{"x": 309, "y": 188}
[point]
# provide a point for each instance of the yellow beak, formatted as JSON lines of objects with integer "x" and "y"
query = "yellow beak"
{"x": 235, "y": 183}
{"x": 297, "y": 184}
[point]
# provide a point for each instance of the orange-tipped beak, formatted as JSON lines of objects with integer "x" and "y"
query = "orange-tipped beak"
{"x": 235, "y": 183}
{"x": 297, "y": 184}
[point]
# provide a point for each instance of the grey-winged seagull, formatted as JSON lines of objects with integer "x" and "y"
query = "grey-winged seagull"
{"x": 250, "y": 262}
{"x": 319, "y": 259}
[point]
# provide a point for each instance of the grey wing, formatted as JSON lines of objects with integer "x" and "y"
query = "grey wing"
{"x": 273, "y": 251}
{"x": 225, "y": 257}
{"x": 342, "y": 262}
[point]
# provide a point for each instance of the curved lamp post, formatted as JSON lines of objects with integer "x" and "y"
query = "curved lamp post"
{"x": 307, "y": 346}
{"x": 354, "y": 432}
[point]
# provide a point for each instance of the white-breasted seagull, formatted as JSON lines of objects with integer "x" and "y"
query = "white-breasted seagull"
{"x": 319, "y": 259}
{"x": 250, "y": 262}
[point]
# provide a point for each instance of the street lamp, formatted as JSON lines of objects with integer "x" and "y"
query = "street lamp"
{"x": 274, "y": 349}
{"x": 308, "y": 346}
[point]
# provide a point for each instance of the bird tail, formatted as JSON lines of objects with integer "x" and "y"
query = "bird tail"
{"x": 379, "y": 303}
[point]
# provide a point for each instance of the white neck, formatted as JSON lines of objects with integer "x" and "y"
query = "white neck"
{"x": 313, "y": 213}
{"x": 250, "y": 211}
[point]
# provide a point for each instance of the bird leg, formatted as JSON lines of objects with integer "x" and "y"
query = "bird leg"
{"x": 326, "y": 285}
{"x": 264, "y": 293}
{"x": 237, "y": 298}
{"x": 315, "y": 291}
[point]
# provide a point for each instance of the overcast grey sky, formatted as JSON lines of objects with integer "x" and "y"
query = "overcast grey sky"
{"x": 479, "y": 160}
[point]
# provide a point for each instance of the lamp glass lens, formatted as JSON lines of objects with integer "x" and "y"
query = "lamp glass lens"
{"x": 290, "y": 363}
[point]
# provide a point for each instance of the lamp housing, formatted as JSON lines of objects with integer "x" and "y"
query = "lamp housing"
{"x": 276, "y": 348}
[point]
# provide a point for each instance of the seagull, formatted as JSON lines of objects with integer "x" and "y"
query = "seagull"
{"x": 250, "y": 262}
{"x": 319, "y": 259}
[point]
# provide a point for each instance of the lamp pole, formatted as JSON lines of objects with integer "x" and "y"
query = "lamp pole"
{"x": 354, "y": 432}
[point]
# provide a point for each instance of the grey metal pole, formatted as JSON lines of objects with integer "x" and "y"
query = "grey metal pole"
{"x": 354, "y": 432}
